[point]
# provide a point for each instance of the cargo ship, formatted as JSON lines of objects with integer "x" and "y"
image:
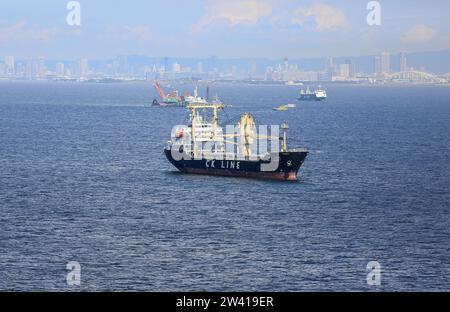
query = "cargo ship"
{"x": 202, "y": 147}
{"x": 316, "y": 95}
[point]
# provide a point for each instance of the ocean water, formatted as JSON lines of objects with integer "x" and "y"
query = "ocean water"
{"x": 83, "y": 178}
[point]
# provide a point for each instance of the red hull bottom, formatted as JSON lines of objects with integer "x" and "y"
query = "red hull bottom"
{"x": 281, "y": 176}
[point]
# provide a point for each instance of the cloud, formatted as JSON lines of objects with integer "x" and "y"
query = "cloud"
{"x": 234, "y": 12}
{"x": 20, "y": 31}
{"x": 419, "y": 34}
{"x": 326, "y": 17}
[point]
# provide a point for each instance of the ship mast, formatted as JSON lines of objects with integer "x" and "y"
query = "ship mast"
{"x": 284, "y": 126}
{"x": 193, "y": 108}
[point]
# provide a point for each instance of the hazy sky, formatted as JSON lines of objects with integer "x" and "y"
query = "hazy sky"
{"x": 223, "y": 28}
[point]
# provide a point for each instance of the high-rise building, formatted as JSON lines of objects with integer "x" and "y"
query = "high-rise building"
{"x": 385, "y": 63}
{"x": 377, "y": 65}
{"x": 10, "y": 65}
{"x": 29, "y": 70}
{"x": 344, "y": 70}
{"x": 41, "y": 69}
{"x": 286, "y": 64}
{"x": 330, "y": 70}
{"x": 20, "y": 70}
{"x": 123, "y": 66}
{"x": 351, "y": 68}
{"x": 200, "y": 67}
{"x": 60, "y": 71}
{"x": 83, "y": 68}
{"x": 269, "y": 73}
{"x": 176, "y": 68}
{"x": 403, "y": 62}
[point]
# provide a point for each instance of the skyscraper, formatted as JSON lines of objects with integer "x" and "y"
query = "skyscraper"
{"x": 123, "y": 66}
{"x": 83, "y": 68}
{"x": 200, "y": 67}
{"x": 176, "y": 67}
{"x": 269, "y": 73}
{"x": 377, "y": 65}
{"x": 286, "y": 64}
{"x": 60, "y": 69}
{"x": 344, "y": 70}
{"x": 351, "y": 68}
{"x": 385, "y": 63}
{"x": 10, "y": 64}
{"x": 41, "y": 68}
{"x": 29, "y": 70}
{"x": 330, "y": 69}
{"x": 403, "y": 62}
{"x": 20, "y": 70}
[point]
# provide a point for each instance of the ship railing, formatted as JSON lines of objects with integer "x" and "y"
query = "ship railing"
{"x": 206, "y": 154}
{"x": 298, "y": 150}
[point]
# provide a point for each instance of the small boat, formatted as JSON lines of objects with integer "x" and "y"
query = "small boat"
{"x": 281, "y": 108}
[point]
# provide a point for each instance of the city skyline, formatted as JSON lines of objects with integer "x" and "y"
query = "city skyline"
{"x": 385, "y": 67}
{"x": 226, "y": 29}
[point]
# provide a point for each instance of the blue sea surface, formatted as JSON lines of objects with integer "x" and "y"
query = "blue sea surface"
{"x": 83, "y": 178}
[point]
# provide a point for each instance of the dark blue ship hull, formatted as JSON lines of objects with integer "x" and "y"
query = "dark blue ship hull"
{"x": 286, "y": 168}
